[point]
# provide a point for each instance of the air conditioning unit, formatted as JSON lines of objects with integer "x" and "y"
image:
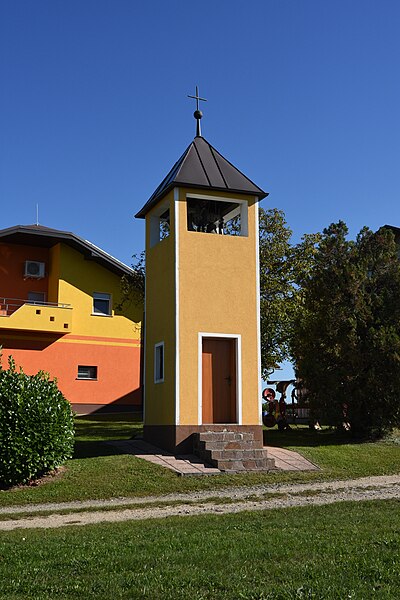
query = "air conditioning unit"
{"x": 34, "y": 269}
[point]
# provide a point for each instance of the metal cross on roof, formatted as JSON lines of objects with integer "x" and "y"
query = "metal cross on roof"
{"x": 197, "y": 113}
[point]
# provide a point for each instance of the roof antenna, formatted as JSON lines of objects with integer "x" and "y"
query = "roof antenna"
{"x": 37, "y": 215}
{"x": 197, "y": 113}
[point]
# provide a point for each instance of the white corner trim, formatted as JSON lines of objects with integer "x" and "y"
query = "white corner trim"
{"x": 239, "y": 407}
{"x": 239, "y": 403}
{"x": 177, "y": 358}
{"x": 200, "y": 379}
{"x": 143, "y": 337}
{"x": 258, "y": 315}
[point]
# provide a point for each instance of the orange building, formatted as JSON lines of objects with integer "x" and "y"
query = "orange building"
{"x": 59, "y": 297}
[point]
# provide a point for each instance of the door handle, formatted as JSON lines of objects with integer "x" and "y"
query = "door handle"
{"x": 228, "y": 379}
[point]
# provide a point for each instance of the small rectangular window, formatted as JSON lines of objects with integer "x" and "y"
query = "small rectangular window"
{"x": 159, "y": 363}
{"x": 36, "y": 297}
{"x": 101, "y": 304}
{"x": 85, "y": 372}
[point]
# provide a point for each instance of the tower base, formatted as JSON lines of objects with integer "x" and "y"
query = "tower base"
{"x": 178, "y": 439}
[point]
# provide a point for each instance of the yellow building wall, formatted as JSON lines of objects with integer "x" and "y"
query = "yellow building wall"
{"x": 217, "y": 294}
{"x": 78, "y": 280}
{"x": 160, "y": 323}
{"x": 47, "y": 319}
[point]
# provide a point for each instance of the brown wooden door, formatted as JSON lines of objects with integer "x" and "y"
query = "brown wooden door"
{"x": 219, "y": 380}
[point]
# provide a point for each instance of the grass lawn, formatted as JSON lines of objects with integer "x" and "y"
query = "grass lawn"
{"x": 97, "y": 471}
{"x": 347, "y": 550}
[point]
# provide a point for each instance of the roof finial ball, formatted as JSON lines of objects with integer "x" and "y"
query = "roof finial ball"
{"x": 197, "y": 113}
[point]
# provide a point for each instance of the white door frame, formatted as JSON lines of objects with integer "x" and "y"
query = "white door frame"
{"x": 238, "y": 347}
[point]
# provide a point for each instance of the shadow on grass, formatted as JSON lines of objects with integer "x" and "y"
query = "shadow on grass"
{"x": 303, "y": 437}
{"x": 106, "y": 427}
{"x": 93, "y": 431}
{"x": 131, "y": 417}
{"x": 94, "y": 449}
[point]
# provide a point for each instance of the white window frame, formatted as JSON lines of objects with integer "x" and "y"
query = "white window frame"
{"x": 99, "y": 314}
{"x": 244, "y": 210}
{"x": 238, "y": 338}
{"x": 158, "y": 379}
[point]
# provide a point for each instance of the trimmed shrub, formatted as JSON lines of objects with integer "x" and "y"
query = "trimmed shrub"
{"x": 36, "y": 426}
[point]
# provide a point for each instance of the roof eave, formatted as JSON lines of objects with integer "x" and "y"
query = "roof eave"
{"x": 89, "y": 250}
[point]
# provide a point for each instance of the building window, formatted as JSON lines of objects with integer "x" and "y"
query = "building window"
{"x": 36, "y": 297}
{"x": 85, "y": 372}
{"x": 159, "y": 363}
{"x": 101, "y": 304}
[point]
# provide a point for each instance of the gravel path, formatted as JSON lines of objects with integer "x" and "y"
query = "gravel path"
{"x": 230, "y": 500}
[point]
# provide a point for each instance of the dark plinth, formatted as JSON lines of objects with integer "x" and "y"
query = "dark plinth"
{"x": 178, "y": 439}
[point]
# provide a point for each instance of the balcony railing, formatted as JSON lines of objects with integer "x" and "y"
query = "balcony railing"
{"x": 10, "y": 305}
{"x": 27, "y": 315}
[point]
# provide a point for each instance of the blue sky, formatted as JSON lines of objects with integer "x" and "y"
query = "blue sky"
{"x": 303, "y": 96}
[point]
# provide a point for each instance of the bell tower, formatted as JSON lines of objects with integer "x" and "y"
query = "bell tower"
{"x": 202, "y": 326}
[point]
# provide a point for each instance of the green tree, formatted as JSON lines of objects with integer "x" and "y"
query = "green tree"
{"x": 133, "y": 286}
{"x": 346, "y": 342}
{"x": 283, "y": 266}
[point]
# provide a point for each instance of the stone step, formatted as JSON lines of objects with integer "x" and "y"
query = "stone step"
{"x": 264, "y": 464}
{"x": 238, "y": 454}
{"x": 220, "y": 445}
{"x": 225, "y": 436}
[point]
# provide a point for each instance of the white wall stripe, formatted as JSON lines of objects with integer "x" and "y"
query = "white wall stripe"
{"x": 200, "y": 380}
{"x": 144, "y": 345}
{"x": 258, "y": 309}
{"x": 177, "y": 359}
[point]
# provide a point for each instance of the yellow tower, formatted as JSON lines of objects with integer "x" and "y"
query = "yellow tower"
{"x": 202, "y": 327}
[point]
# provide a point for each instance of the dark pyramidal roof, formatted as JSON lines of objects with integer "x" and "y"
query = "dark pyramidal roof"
{"x": 38, "y": 235}
{"x": 202, "y": 166}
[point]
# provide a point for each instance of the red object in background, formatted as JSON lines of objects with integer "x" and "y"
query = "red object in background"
{"x": 268, "y": 394}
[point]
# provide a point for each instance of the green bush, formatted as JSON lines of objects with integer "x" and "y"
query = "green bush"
{"x": 36, "y": 426}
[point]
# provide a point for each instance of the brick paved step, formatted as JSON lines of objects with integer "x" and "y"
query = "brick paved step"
{"x": 238, "y": 454}
{"x": 236, "y": 466}
{"x": 225, "y": 436}
{"x": 232, "y": 451}
{"x": 220, "y": 445}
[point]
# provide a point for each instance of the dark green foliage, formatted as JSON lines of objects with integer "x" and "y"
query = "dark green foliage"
{"x": 36, "y": 426}
{"x": 133, "y": 286}
{"x": 347, "y": 343}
